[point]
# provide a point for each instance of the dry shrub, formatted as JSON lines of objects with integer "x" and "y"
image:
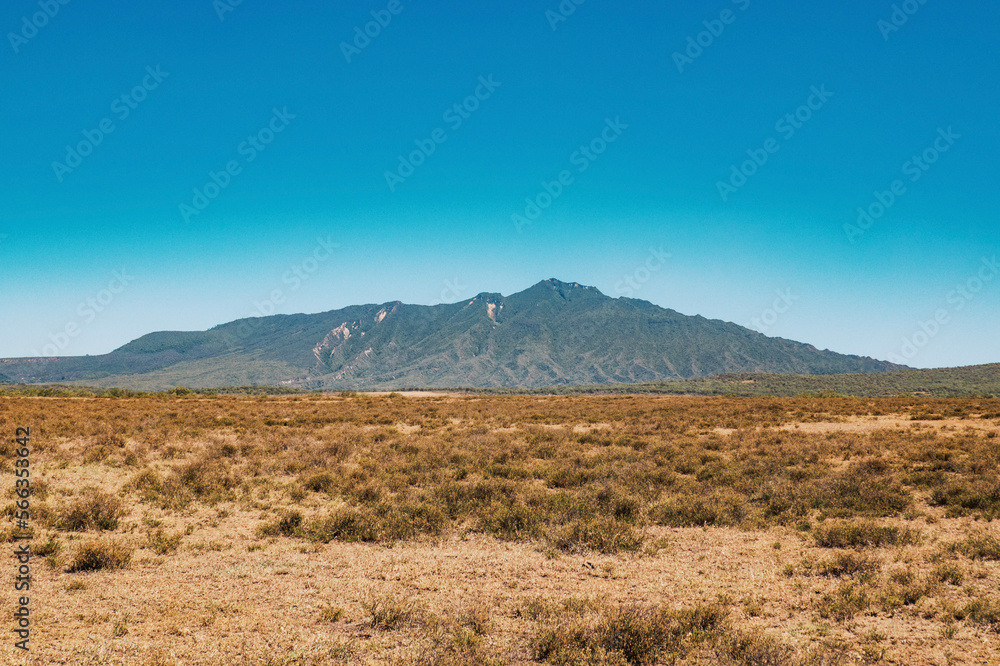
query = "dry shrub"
{"x": 948, "y": 573}
{"x": 863, "y": 533}
{"x": 629, "y": 635}
{"x": 101, "y": 555}
{"x": 383, "y": 523}
{"x": 848, "y": 600}
{"x": 720, "y": 508}
{"x": 969, "y": 496}
{"x": 982, "y": 546}
{"x": 287, "y": 525}
{"x": 905, "y": 590}
{"x": 388, "y": 613}
{"x": 147, "y": 483}
{"x": 509, "y": 521}
{"x": 322, "y": 482}
{"x": 162, "y": 543}
{"x": 983, "y": 611}
{"x": 849, "y": 563}
{"x": 210, "y": 480}
{"x": 50, "y": 547}
{"x": 867, "y": 488}
{"x": 604, "y": 535}
{"x": 97, "y": 510}
{"x": 753, "y": 648}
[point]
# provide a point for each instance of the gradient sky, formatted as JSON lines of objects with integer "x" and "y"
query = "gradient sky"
{"x": 446, "y": 232}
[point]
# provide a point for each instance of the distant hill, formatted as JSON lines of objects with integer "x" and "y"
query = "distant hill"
{"x": 974, "y": 380}
{"x": 552, "y": 334}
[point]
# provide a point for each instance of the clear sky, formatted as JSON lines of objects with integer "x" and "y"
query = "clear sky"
{"x": 737, "y": 137}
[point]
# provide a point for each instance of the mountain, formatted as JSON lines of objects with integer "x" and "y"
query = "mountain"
{"x": 554, "y": 333}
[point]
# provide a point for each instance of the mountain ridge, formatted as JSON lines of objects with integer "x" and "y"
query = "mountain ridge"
{"x": 552, "y": 333}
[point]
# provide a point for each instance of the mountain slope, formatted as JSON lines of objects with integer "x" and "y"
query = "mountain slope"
{"x": 553, "y": 333}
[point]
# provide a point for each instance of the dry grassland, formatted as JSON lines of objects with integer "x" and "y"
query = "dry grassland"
{"x": 442, "y": 529}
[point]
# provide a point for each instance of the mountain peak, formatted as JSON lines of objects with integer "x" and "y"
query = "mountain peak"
{"x": 564, "y": 289}
{"x": 559, "y": 284}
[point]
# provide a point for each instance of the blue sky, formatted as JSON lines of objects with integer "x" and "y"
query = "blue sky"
{"x": 644, "y": 109}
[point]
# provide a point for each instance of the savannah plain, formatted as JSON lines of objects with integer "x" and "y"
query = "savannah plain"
{"x": 446, "y": 529}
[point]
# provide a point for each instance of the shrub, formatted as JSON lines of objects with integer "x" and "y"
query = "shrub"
{"x": 147, "y": 483}
{"x": 345, "y": 524}
{"x": 287, "y": 525}
{"x": 605, "y": 535}
{"x": 51, "y": 547}
{"x": 847, "y": 601}
{"x": 98, "y": 555}
{"x": 96, "y": 510}
{"x": 983, "y": 611}
{"x": 509, "y": 521}
{"x": 964, "y": 497}
{"x": 208, "y": 479}
{"x": 979, "y": 547}
{"x": 865, "y": 489}
{"x": 858, "y": 534}
{"x": 388, "y": 613}
{"x": 754, "y": 648}
{"x": 163, "y": 544}
{"x": 721, "y": 508}
{"x": 638, "y": 633}
{"x": 849, "y": 563}
{"x": 322, "y": 482}
{"x": 630, "y": 635}
{"x": 949, "y": 573}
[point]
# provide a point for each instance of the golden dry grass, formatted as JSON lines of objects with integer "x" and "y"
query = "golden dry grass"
{"x": 444, "y": 529}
